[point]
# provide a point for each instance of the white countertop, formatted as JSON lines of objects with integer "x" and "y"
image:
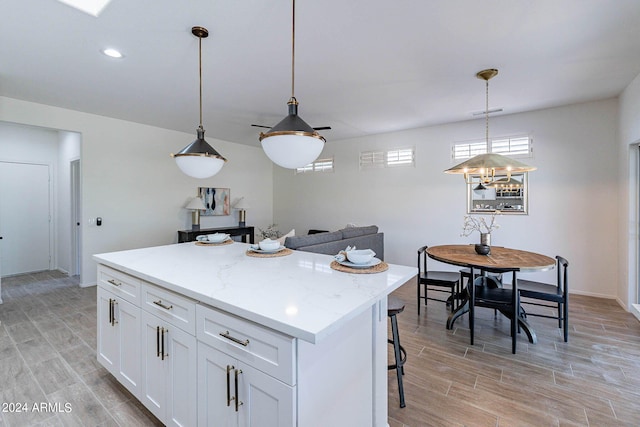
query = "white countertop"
{"x": 298, "y": 294}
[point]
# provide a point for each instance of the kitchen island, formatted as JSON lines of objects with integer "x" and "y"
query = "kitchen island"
{"x": 206, "y": 335}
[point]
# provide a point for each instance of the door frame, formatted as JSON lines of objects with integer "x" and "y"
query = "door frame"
{"x": 633, "y": 234}
{"x": 75, "y": 169}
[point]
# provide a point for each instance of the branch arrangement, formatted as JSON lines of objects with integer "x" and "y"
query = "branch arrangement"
{"x": 480, "y": 225}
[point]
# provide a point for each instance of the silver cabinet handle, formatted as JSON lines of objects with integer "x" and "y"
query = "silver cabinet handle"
{"x": 113, "y": 312}
{"x": 234, "y": 339}
{"x": 162, "y": 331}
{"x": 238, "y": 403}
{"x": 114, "y": 283}
{"x": 110, "y": 311}
{"x": 159, "y": 303}
{"x": 229, "y": 398}
{"x": 158, "y": 341}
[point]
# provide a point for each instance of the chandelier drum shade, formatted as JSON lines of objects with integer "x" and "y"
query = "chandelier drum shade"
{"x": 487, "y": 165}
{"x": 292, "y": 143}
{"x": 199, "y": 159}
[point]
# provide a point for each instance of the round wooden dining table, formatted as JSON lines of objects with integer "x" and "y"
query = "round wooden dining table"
{"x": 499, "y": 258}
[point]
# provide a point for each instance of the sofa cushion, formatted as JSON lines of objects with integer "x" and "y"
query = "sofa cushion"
{"x": 296, "y": 242}
{"x": 350, "y": 232}
{"x": 374, "y": 242}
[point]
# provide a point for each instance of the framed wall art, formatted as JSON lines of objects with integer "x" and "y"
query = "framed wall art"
{"x": 216, "y": 200}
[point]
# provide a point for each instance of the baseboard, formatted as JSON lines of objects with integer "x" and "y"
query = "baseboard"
{"x": 635, "y": 310}
{"x": 88, "y": 285}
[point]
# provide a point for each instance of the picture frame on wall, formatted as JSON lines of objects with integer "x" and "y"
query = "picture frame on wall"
{"x": 216, "y": 200}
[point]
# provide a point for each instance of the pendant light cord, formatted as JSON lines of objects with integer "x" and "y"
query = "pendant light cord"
{"x": 293, "y": 49}
{"x": 487, "y": 114}
{"x": 200, "y": 74}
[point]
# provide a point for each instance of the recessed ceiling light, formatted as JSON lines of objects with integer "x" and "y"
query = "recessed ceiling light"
{"x": 112, "y": 53}
{"x": 92, "y": 7}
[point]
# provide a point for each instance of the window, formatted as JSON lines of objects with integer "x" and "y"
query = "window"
{"x": 386, "y": 159}
{"x": 520, "y": 146}
{"x": 371, "y": 159}
{"x": 512, "y": 146}
{"x": 468, "y": 150}
{"x": 320, "y": 165}
{"x": 402, "y": 157}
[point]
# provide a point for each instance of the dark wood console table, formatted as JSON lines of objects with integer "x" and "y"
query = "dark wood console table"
{"x": 190, "y": 235}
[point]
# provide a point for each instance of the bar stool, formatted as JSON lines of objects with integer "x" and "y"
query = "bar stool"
{"x": 394, "y": 306}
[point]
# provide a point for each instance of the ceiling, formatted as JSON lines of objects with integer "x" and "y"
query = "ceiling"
{"x": 362, "y": 66}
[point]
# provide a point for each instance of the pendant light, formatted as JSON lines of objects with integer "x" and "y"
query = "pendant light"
{"x": 292, "y": 143}
{"x": 199, "y": 159}
{"x": 487, "y": 165}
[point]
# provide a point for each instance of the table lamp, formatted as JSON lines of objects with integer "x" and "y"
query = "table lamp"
{"x": 196, "y": 205}
{"x": 242, "y": 206}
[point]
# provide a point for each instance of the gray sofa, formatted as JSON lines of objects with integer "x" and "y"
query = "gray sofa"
{"x": 333, "y": 242}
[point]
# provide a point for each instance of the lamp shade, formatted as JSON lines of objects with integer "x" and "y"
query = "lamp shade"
{"x": 484, "y": 164}
{"x": 241, "y": 204}
{"x": 199, "y": 159}
{"x": 196, "y": 204}
{"x": 292, "y": 143}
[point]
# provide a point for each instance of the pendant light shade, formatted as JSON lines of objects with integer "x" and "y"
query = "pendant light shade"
{"x": 292, "y": 143}
{"x": 199, "y": 159}
{"x": 485, "y": 166}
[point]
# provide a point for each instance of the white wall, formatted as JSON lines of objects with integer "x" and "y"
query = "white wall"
{"x": 572, "y": 194}
{"x": 629, "y": 138}
{"x": 130, "y": 181}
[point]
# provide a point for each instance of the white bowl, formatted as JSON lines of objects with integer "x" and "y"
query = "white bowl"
{"x": 217, "y": 237}
{"x": 360, "y": 256}
{"x": 269, "y": 245}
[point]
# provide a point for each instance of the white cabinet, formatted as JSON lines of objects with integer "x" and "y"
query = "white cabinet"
{"x": 146, "y": 339}
{"x": 232, "y": 393}
{"x": 192, "y": 364}
{"x": 169, "y": 366}
{"x": 118, "y": 323}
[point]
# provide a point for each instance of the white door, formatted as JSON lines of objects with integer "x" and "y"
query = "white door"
{"x": 181, "y": 358}
{"x": 155, "y": 373}
{"x": 107, "y": 332}
{"x": 263, "y": 401}
{"x": 25, "y": 214}
{"x": 216, "y": 388}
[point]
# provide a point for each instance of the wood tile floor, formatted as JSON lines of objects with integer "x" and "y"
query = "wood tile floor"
{"x": 48, "y": 341}
{"x": 593, "y": 380}
{"x": 47, "y": 355}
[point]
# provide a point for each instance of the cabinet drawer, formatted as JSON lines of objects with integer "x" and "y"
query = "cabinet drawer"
{"x": 265, "y": 349}
{"x": 119, "y": 283}
{"x": 170, "y": 307}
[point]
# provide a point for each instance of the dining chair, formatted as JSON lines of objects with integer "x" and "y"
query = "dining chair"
{"x": 437, "y": 281}
{"x": 488, "y": 292}
{"x": 557, "y": 294}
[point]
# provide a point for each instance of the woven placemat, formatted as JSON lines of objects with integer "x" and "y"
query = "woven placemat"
{"x": 383, "y": 266}
{"x": 226, "y": 242}
{"x": 284, "y": 252}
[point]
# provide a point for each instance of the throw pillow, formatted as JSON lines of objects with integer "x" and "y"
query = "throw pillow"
{"x": 289, "y": 234}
